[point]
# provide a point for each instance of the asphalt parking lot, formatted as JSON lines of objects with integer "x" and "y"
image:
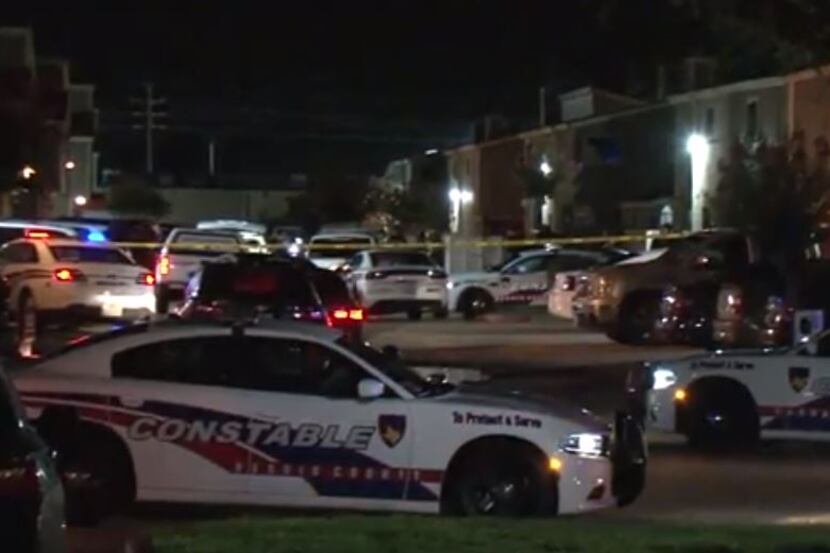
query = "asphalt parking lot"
{"x": 778, "y": 483}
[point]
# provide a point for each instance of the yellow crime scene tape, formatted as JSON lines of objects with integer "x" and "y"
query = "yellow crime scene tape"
{"x": 483, "y": 243}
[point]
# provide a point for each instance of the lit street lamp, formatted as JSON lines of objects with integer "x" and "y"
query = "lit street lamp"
{"x": 80, "y": 201}
{"x": 28, "y": 172}
{"x": 69, "y": 165}
{"x": 698, "y": 148}
{"x": 545, "y": 168}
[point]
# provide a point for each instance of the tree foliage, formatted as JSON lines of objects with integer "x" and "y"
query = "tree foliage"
{"x": 136, "y": 196}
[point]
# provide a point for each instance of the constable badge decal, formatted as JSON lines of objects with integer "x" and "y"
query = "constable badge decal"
{"x": 392, "y": 428}
{"x": 799, "y": 377}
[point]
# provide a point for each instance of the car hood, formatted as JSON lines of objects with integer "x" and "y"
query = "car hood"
{"x": 472, "y": 395}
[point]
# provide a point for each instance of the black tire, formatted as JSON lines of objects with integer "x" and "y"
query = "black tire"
{"x": 721, "y": 416}
{"x": 636, "y": 320}
{"x": 510, "y": 484}
{"x": 27, "y": 325}
{"x": 476, "y": 303}
{"x": 414, "y": 314}
{"x": 97, "y": 477}
{"x": 162, "y": 300}
{"x": 441, "y": 313}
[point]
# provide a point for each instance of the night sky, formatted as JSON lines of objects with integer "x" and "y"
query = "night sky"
{"x": 346, "y": 84}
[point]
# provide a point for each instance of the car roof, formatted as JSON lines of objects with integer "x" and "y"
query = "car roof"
{"x": 329, "y": 235}
{"x": 16, "y": 223}
{"x": 65, "y": 242}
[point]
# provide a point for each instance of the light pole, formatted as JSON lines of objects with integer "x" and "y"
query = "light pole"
{"x": 698, "y": 148}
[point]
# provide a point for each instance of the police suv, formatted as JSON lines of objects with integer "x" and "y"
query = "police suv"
{"x": 289, "y": 414}
{"x": 737, "y": 397}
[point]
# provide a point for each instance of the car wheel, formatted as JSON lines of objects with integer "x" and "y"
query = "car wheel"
{"x": 414, "y": 314}
{"x": 720, "y": 417}
{"x": 27, "y": 325}
{"x": 162, "y": 300}
{"x": 638, "y": 315}
{"x": 476, "y": 303}
{"x": 509, "y": 484}
{"x": 97, "y": 479}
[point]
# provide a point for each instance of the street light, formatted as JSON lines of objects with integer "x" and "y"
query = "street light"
{"x": 69, "y": 165}
{"x": 80, "y": 201}
{"x": 698, "y": 148}
{"x": 545, "y": 168}
{"x": 28, "y": 172}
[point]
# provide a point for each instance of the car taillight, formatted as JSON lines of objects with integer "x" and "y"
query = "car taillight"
{"x": 375, "y": 275}
{"x": 163, "y": 266}
{"x": 37, "y": 234}
{"x": 147, "y": 279}
{"x": 68, "y": 275}
{"x": 347, "y": 315}
{"x": 18, "y": 478}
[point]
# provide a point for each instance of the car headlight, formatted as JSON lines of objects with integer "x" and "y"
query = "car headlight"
{"x": 663, "y": 378}
{"x": 585, "y": 444}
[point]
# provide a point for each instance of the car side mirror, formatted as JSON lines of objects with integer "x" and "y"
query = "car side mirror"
{"x": 369, "y": 388}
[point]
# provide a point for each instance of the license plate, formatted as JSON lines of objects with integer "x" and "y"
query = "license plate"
{"x": 406, "y": 287}
{"x": 112, "y": 310}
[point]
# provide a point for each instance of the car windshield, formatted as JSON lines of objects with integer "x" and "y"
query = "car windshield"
{"x": 81, "y": 254}
{"x": 394, "y": 259}
{"x": 394, "y": 368}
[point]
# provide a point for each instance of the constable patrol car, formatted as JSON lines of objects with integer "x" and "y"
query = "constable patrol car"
{"x": 289, "y": 414}
{"x": 737, "y": 397}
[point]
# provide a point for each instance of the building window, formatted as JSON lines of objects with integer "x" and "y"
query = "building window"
{"x": 709, "y": 122}
{"x": 752, "y": 118}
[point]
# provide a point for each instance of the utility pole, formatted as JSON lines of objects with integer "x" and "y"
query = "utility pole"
{"x": 150, "y": 112}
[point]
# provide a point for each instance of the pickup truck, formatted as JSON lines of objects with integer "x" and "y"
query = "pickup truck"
{"x": 624, "y": 299}
{"x": 181, "y": 257}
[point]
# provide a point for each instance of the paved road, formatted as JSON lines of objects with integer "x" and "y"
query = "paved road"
{"x": 778, "y": 483}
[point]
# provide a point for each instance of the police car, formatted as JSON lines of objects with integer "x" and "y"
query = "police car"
{"x": 52, "y": 279}
{"x": 737, "y": 397}
{"x": 523, "y": 279}
{"x": 289, "y": 414}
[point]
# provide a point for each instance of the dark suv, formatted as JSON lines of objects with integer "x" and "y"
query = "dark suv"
{"x": 31, "y": 494}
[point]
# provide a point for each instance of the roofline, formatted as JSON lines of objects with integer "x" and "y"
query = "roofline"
{"x": 741, "y": 86}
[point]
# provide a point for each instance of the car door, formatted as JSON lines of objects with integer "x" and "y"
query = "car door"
{"x": 797, "y": 397}
{"x": 19, "y": 266}
{"x": 321, "y": 445}
{"x": 525, "y": 279}
{"x": 184, "y": 420}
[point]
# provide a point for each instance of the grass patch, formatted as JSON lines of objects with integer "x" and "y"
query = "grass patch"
{"x": 416, "y": 534}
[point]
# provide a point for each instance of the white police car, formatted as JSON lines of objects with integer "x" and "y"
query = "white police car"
{"x": 288, "y": 414}
{"x": 524, "y": 279}
{"x": 737, "y": 397}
